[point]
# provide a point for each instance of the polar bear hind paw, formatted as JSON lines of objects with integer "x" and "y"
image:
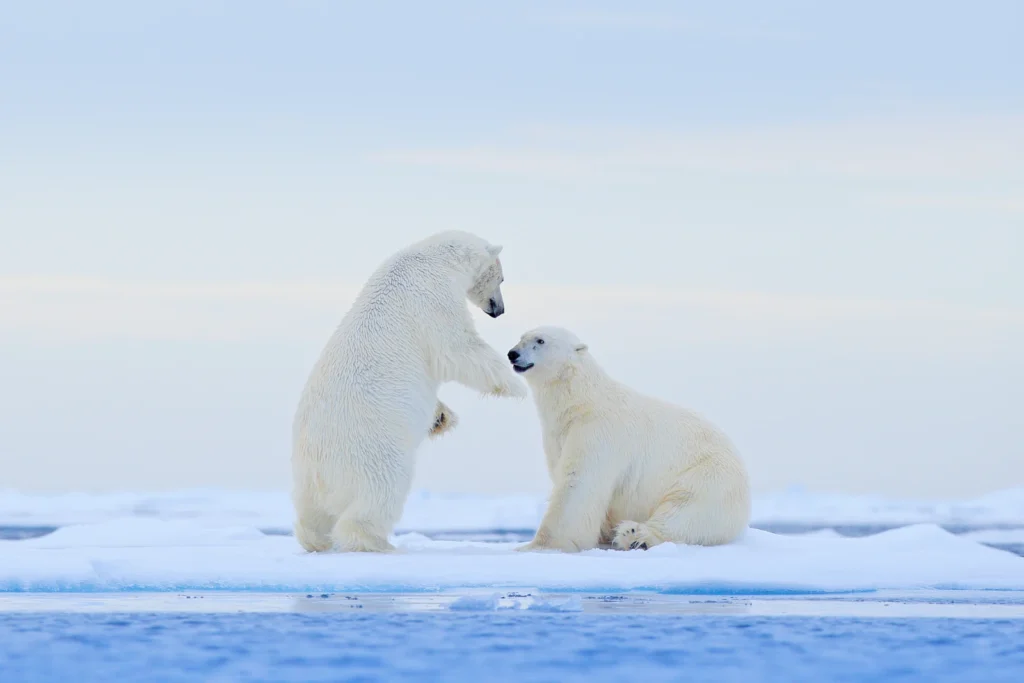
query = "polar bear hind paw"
{"x": 351, "y": 536}
{"x": 634, "y": 536}
{"x": 357, "y": 543}
{"x": 444, "y": 421}
{"x": 311, "y": 541}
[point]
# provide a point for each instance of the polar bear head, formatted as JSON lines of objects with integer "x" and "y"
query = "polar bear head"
{"x": 485, "y": 292}
{"x": 474, "y": 263}
{"x": 543, "y": 353}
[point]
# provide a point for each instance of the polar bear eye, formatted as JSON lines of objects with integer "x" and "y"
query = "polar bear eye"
{"x": 540, "y": 341}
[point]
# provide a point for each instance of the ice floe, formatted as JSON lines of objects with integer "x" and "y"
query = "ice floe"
{"x": 174, "y": 555}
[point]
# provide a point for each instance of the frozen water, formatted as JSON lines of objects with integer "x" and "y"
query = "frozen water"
{"x": 135, "y": 532}
{"x": 154, "y": 554}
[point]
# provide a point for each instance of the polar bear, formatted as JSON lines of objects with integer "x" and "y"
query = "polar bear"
{"x": 371, "y": 398}
{"x": 628, "y": 469}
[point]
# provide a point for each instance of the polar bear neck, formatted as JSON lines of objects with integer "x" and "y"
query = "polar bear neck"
{"x": 562, "y": 398}
{"x": 426, "y": 272}
{"x": 461, "y": 252}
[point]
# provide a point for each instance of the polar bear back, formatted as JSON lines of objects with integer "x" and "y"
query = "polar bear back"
{"x": 665, "y": 443}
{"x": 654, "y": 432}
{"x": 372, "y": 368}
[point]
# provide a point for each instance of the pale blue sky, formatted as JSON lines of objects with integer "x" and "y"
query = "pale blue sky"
{"x": 803, "y": 219}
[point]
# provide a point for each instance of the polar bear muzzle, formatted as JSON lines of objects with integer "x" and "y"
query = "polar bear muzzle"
{"x": 495, "y": 307}
{"x": 486, "y": 291}
{"x": 513, "y": 358}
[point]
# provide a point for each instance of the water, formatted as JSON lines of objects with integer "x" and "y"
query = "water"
{"x": 477, "y": 647}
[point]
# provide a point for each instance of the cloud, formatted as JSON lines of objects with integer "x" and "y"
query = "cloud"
{"x": 73, "y": 310}
{"x": 907, "y": 149}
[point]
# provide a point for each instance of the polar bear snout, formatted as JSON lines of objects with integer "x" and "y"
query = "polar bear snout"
{"x": 518, "y": 364}
{"x": 495, "y": 307}
{"x": 486, "y": 290}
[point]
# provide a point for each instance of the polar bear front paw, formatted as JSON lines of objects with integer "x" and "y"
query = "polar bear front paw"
{"x": 513, "y": 387}
{"x": 634, "y": 536}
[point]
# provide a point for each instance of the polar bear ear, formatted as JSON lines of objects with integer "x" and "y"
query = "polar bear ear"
{"x": 580, "y": 348}
{"x": 494, "y": 250}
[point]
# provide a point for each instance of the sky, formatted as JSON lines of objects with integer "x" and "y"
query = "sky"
{"x": 803, "y": 220}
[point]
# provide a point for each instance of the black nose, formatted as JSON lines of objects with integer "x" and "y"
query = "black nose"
{"x": 513, "y": 356}
{"x": 493, "y": 309}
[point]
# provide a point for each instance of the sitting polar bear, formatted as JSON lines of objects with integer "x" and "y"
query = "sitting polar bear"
{"x": 372, "y": 396}
{"x": 628, "y": 469}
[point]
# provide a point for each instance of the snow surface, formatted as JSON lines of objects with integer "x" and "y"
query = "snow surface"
{"x": 153, "y": 554}
{"x": 435, "y": 512}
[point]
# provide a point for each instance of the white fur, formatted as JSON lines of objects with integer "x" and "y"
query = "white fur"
{"x": 372, "y": 396}
{"x": 627, "y": 469}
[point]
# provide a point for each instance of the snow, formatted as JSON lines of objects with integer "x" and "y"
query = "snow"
{"x": 134, "y": 532}
{"x": 213, "y": 540}
{"x": 450, "y": 512}
{"x": 174, "y": 555}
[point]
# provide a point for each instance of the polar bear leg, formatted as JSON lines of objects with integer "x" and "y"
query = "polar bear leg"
{"x": 312, "y": 524}
{"x": 313, "y": 535}
{"x": 695, "y": 525}
{"x": 478, "y": 366}
{"x": 686, "y": 518}
{"x": 363, "y": 525}
{"x": 578, "y": 508}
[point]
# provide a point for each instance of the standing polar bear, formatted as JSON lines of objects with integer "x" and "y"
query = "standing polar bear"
{"x": 628, "y": 469}
{"x": 372, "y": 396}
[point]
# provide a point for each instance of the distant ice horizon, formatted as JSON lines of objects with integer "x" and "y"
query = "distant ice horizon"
{"x": 431, "y": 511}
